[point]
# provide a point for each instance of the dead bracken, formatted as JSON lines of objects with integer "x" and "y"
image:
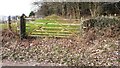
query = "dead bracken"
{"x": 72, "y": 51}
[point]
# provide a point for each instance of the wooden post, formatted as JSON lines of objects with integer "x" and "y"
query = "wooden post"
{"x": 9, "y": 22}
{"x": 22, "y": 27}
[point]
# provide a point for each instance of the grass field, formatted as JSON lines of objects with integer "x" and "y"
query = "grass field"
{"x": 47, "y": 28}
{"x": 51, "y": 28}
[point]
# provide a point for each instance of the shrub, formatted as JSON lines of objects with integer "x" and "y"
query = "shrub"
{"x": 102, "y": 25}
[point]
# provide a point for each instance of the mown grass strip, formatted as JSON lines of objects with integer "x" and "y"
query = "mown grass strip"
{"x": 45, "y": 21}
{"x": 54, "y": 25}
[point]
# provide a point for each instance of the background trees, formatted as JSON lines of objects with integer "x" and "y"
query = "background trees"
{"x": 31, "y": 14}
{"x": 76, "y": 10}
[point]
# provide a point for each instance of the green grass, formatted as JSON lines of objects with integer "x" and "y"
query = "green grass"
{"x": 51, "y": 28}
{"x": 45, "y": 21}
{"x": 51, "y": 21}
{"x": 44, "y": 27}
{"x": 52, "y": 25}
{"x": 5, "y": 26}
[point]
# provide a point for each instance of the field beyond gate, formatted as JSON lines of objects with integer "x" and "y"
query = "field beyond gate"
{"x": 51, "y": 28}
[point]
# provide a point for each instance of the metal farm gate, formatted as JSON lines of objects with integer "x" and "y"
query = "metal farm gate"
{"x": 51, "y": 29}
{"x": 46, "y": 29}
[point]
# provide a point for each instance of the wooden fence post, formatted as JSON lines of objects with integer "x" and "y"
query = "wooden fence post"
{"x": 22, "y": 27}
{"x": 9, "y": 22}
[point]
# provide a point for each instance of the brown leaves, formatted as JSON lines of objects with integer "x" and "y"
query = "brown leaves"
{"x": 89, "y": 37}
{"x": 25, "y": 43}
{"x": 72, "y": 51}
{"x": 34, "y": 42}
